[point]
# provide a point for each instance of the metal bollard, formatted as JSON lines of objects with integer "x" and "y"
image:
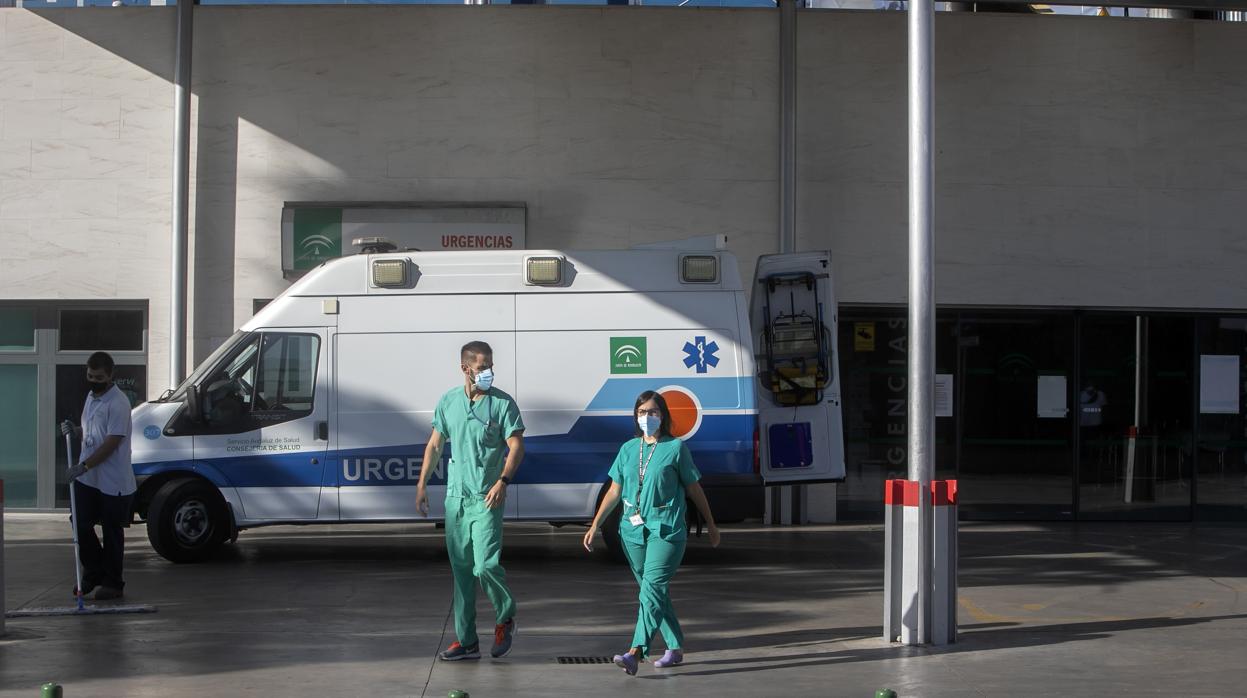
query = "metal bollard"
{"x": 885, "y": 693}
{"x": 51, "y": 690}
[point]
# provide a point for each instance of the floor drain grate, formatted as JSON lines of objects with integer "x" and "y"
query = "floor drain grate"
{"x": 584, "y": 660}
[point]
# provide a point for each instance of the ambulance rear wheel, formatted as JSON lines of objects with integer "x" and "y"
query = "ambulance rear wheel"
{"x": 186, "y": 520}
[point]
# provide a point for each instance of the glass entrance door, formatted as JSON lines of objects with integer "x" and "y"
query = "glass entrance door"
{"x": 1135, "y": 417}
{"x": 1221, "y": 449}
{"x": 1016, "y": 427}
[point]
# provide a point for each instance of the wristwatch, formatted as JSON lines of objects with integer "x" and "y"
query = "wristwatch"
{"x": 505, "y": 480}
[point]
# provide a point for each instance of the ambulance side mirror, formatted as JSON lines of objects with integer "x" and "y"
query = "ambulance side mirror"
{"x": 193, "y": 409}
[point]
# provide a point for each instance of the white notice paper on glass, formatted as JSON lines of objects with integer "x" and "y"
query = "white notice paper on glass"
{"x": 1218, "y": 384}
{"x": 943, "y": 395}
{"x": 1051, "y": 401}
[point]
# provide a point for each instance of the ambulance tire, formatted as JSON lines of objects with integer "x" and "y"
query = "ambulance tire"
{"x": 186, "y": 521}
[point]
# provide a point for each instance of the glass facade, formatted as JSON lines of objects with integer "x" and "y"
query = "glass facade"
{"x": 1220, "y": 457}
{"x": 1052, "y": 415}
{"x": 17, "y": 329}
{"x": 19, "y": 384}
{"x": 101, "y": 330}
{"x": 44, "y": 347}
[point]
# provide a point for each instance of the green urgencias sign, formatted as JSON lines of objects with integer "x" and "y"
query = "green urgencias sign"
{"x": 317, "y": 237}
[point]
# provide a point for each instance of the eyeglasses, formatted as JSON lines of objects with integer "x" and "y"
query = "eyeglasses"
{"x": 649, "y": 413}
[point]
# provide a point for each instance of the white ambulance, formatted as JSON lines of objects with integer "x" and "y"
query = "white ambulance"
{"x": 318, "y": 409}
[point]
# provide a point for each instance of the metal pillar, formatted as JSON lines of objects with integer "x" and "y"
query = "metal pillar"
{"x": 787, "y": 125}
{"x": 181, "y": 190}
{"x": 783, "y": 500}
{"x": 922, "y": 289}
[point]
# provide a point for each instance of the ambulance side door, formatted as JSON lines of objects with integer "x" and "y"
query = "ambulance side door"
{"x": 264, "y": 422}
{"x": 793, "y": 319}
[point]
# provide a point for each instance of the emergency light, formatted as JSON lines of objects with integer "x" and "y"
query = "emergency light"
{"x": 543, "y": 271}
{"x": 699, "y": 269}
{"x": 389, "y": 273}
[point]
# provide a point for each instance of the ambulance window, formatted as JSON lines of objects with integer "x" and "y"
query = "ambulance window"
{"x": 287, "y": 373}
{"x": 227, "y": 393}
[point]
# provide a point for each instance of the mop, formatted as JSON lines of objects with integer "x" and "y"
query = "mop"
{"x": 81, "y": 609}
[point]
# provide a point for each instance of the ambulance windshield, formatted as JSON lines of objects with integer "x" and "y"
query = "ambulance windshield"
{"x": 228, "y": 345}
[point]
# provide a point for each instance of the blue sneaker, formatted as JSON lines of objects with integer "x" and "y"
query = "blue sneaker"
{"x": 503, "y": 634}
{"x": 628, "y": 662}
{"x": 457, "y": 652}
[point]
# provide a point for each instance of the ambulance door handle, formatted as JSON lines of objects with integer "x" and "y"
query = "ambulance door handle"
{"x": 322, "y": 431}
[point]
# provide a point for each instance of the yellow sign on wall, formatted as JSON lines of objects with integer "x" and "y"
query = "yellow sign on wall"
{"x": 863, "y": 336}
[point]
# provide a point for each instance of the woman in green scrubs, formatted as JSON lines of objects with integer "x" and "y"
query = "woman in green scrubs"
{"x": 653, "y": 475}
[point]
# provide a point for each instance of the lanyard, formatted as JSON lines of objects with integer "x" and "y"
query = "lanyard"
{"x": 642, "y": 464}
{"x": 472, "y": 410}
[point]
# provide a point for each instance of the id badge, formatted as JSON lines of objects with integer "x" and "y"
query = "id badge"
{"x": 636, "y": 520}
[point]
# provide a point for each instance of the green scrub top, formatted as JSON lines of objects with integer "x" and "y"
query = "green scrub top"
{"x": 661, "y": 504}
{"x": 478, "y": 434}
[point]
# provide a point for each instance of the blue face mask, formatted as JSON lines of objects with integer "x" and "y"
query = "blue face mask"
{"x": 649, "y": 424}
{"x": 485, "y": 379}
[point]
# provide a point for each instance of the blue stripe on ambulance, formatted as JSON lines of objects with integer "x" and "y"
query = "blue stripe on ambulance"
{"x": 723, "y": 444}
{"x": 584, "y": 454}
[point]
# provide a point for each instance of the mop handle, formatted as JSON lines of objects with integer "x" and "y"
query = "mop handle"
{"x": 73, "y": 521}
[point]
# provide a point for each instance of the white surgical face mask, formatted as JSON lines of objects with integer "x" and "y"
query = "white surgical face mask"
{"x": 649, "y": 424}
{"x": 485, "y": 379}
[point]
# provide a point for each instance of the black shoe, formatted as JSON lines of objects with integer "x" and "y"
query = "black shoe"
{"x": 107, "y": 594}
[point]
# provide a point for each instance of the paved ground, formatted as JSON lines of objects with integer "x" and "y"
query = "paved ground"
{"x": 1055, "y": 609}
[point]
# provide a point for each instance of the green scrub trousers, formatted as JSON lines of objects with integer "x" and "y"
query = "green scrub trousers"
{"x": 474, "y": 543}
{"x": 653, "y": 564}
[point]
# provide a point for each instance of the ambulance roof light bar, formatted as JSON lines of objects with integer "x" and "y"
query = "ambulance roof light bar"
{"x": 374, "y": 244}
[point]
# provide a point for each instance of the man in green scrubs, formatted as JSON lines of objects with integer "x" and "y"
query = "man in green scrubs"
{"x": 482, "y": 423}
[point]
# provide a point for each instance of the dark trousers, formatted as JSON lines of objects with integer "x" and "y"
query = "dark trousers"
{"x": 101, "y": 566}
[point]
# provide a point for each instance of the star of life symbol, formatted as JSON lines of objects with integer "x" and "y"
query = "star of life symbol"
{"x": 701, "y": 354}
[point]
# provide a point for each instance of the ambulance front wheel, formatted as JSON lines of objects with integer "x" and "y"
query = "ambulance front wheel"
{"x": 186, "y": 521}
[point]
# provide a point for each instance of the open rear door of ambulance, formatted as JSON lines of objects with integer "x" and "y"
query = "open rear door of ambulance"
{"x": 793, "y": 317}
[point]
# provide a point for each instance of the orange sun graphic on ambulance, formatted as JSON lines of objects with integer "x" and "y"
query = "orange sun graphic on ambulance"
{"x": 685, "y": 410}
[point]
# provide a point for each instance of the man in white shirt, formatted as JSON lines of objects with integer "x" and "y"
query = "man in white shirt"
{"x": 103, "y": 480}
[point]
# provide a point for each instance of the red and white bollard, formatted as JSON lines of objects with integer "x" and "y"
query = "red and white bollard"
{"x": 944, "y": 563}
{"x": 902, "y": 576}
{"x": 893, "y": 545}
